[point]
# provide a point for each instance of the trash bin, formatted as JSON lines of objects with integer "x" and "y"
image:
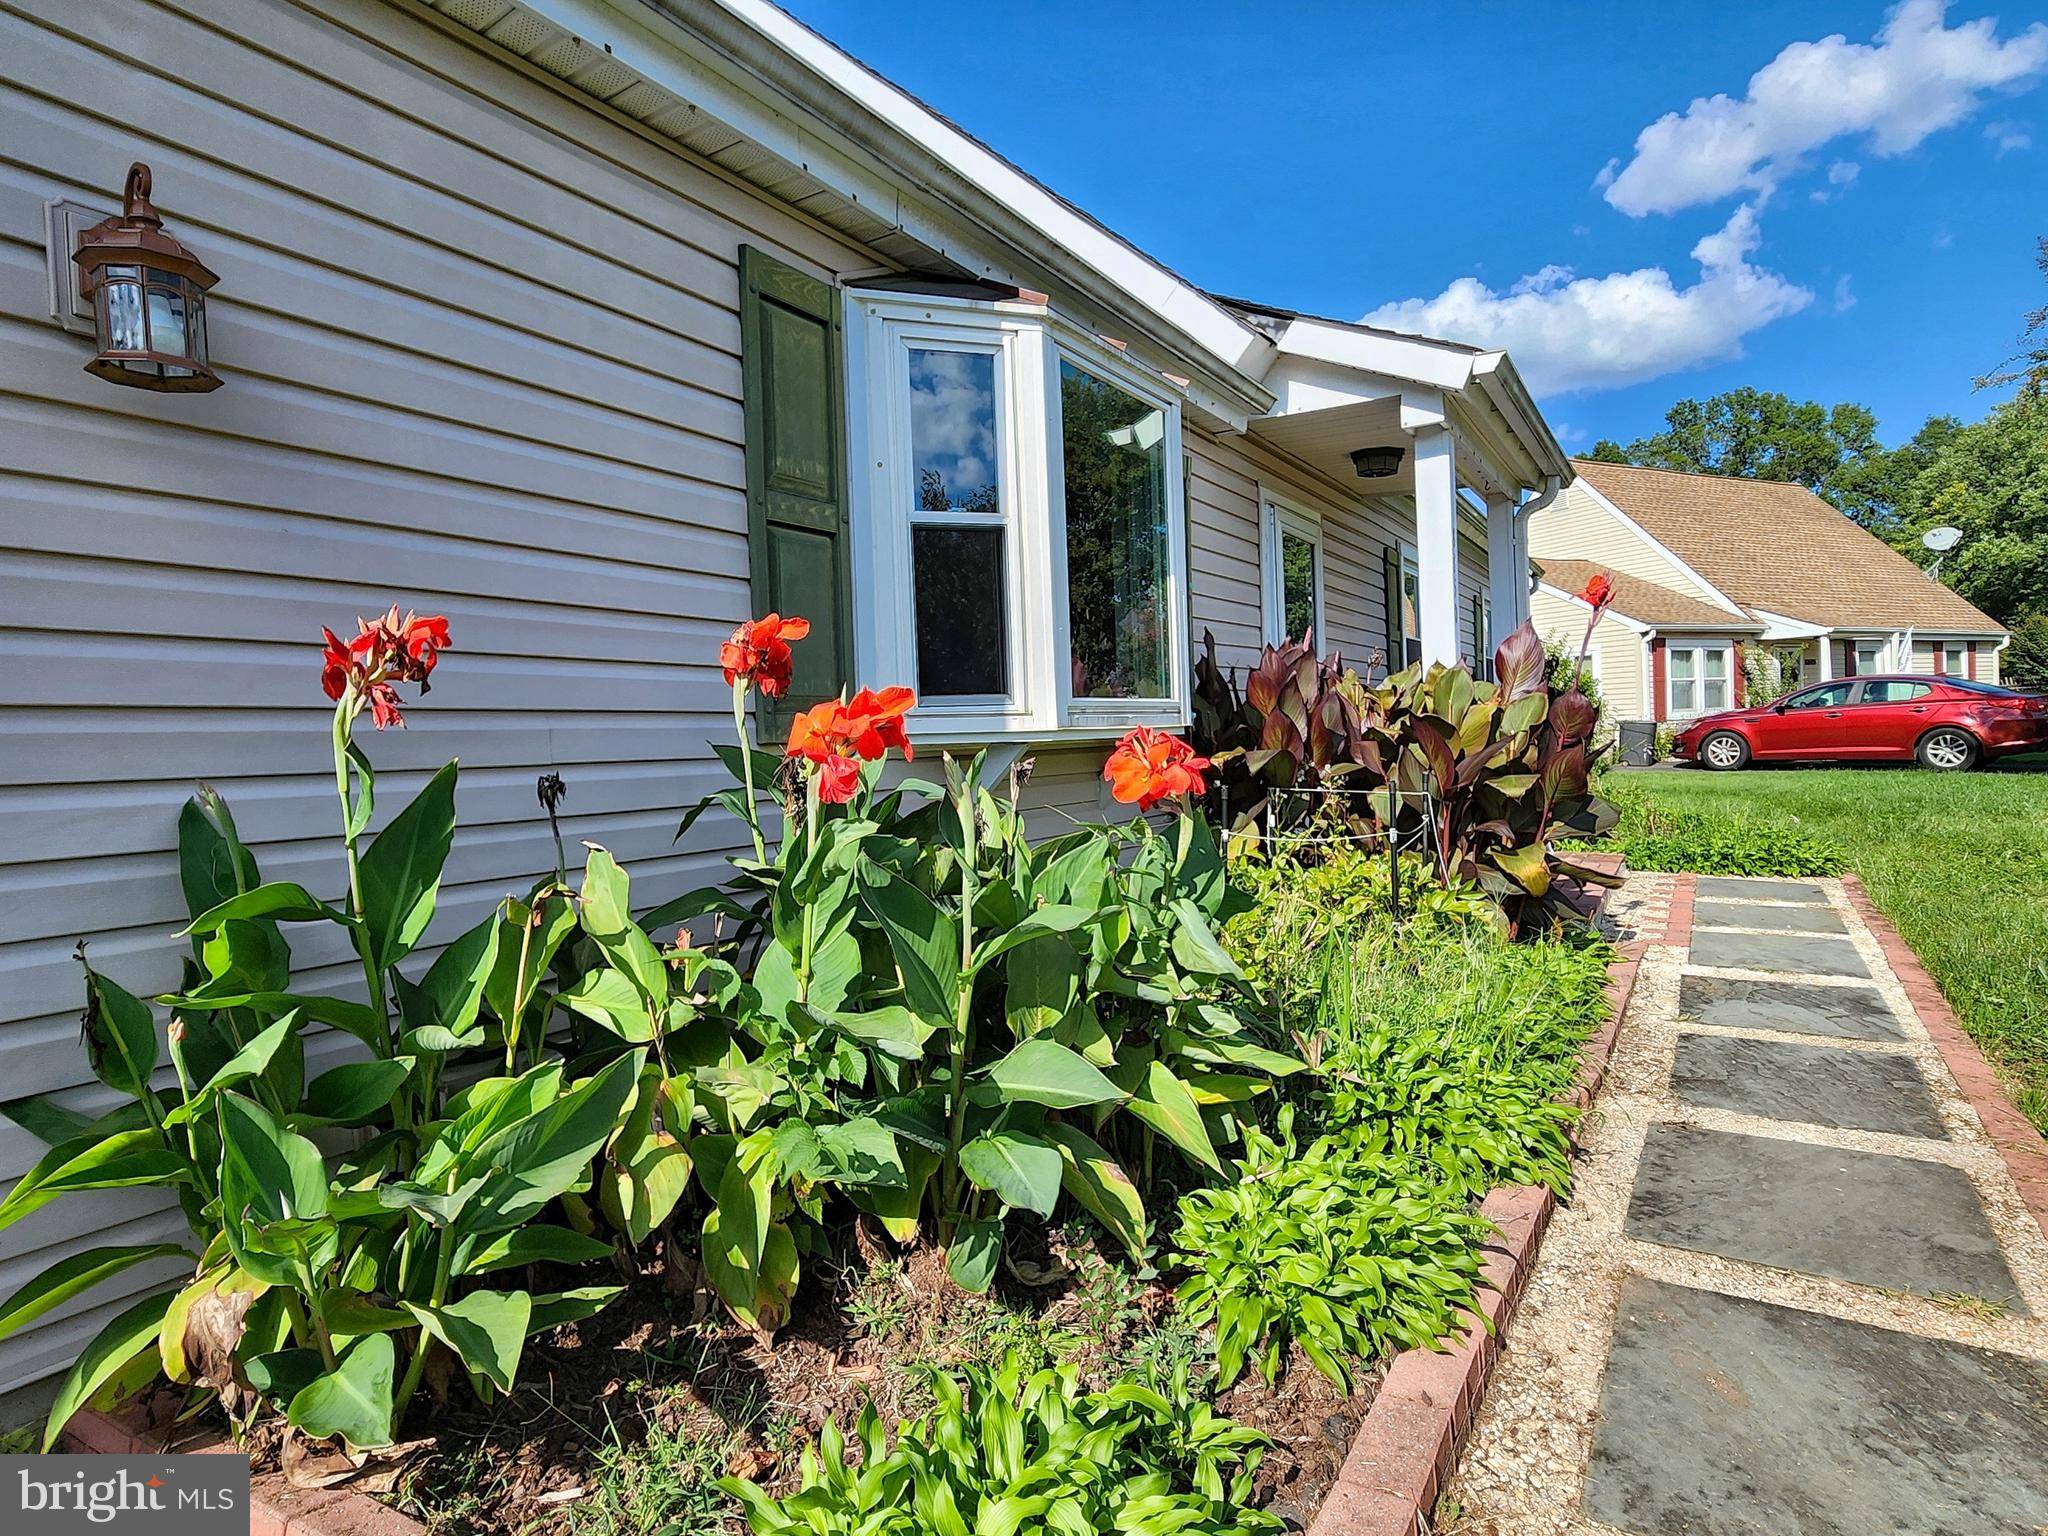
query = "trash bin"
{"x": 1638, "y": 744}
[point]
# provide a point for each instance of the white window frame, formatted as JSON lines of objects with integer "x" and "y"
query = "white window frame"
{"x": 1411, "y": 570}
{"x": 1029, "y": 341}
{"x": 1884, "y": 659}
{"x": 1961, "y": 648}
{"x": 1278, "y": 516}
{"x": 1699, "y": 651}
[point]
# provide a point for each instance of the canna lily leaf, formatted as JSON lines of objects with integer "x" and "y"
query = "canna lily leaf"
{"x": 120, "y": 1034}
{"x": 280, "y": 901}
{"x": 75, "y": 1275}
{"x": 1098, "y": 1182}
{"x": 120, "y": 1161}
{"x": 132, "y": 1333}
{"x": 1167, "y": 1104}
{"x": 355, "y": 1092}
{"x": 486, "y": 1331}
{"x": 533, "y": 1245}
{"x": 1042, "y": 1071}
{"x": 926, "y": 942}
{"x": 352, "y": 1401}
{"x": 608, "y": 919}
{"x": 1019, "y": 1170}
{"x": 569, "y": 1307}
{"x": 971, "y": 1256}
{"x": 400, "y": 872}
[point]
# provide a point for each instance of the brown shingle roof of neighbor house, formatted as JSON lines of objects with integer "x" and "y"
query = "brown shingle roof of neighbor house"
{"x": 1776, "y": 546}
{"x": 1642, "y": 600}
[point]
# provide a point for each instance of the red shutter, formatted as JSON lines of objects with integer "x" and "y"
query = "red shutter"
{"x": 1657, "y": 679}
{"x": 1940, "y": 658}
{"x": 1973, "y": 658}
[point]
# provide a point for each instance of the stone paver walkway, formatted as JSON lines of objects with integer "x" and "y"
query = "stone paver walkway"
{"x": 1797, "y": 1291}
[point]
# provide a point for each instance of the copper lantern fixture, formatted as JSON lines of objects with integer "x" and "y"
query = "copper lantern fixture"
{"x": 148, "y": 298}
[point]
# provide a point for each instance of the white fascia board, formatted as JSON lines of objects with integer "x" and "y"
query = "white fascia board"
{"x": 1497, "y": 375}
{"x": 1778, "y": 627}
{"x": 1404, "y": 357}
{"x": 1300, "y": 385}
{"x": 1619, "y": 617}
{"x": 1665, "y": 550}
{"x": 762, "y": 67}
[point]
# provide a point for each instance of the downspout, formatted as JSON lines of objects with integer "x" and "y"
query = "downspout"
{"x": 1552, "y": 486}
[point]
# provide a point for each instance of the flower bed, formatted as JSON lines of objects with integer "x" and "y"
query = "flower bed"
{"x": 1020, "y": 1170}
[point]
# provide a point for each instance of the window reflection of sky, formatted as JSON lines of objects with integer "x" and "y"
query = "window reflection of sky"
{"x": 953, "y": 429}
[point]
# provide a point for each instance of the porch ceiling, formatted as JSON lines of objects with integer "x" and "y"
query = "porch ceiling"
{"x": 1325, "y": 440}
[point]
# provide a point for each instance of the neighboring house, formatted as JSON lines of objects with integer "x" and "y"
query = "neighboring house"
{"x": 1704, "y": 565}
{"x": 599, "y": 325}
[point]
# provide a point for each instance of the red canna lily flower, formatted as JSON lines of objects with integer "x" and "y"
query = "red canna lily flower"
{"x": 836, "y": 737}
{"x": 391, "y": 650}
{"x": 758, "y": 653}
{"x": 1598, "y": 592}
{"x": 1149, "y": 766}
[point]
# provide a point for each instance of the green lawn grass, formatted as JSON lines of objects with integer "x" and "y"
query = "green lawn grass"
{"x": 1959, "y": 862}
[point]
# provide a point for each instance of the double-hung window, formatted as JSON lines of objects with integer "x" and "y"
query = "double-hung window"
{"x": 1019, "y": 542}
{"x": 1698, "y": 677}
{"x": 1411, "y": 606}
{"x": 1955, "y": 658}
{"x": 1291, "y": 565}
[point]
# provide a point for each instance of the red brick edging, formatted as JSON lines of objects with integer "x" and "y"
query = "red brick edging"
{"x": 276, "y": 1506}
{"x": 2025, "y": 1153}
{"x": 1409, "y": 1440}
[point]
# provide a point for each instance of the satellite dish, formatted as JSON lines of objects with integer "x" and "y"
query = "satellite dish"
{"x": 1942, "y": 540}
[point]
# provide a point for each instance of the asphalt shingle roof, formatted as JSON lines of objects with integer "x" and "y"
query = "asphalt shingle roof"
{"x": 1644, "y": 600}
{"x": 1778, "y": 547}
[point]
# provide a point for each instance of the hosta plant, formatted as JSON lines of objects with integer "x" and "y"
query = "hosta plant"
{"x": 1342, "y": 1252}
{"x": 1011, "y": 1451}
{"x": 346, "y": 1228}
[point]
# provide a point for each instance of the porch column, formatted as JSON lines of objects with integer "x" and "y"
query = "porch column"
{"x": 1824, "y": 648}
{"x": 1436, "y": 543}
{"x": 1507, "y": 573}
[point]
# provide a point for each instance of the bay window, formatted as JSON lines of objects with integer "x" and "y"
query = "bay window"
{"x": 1019, "y": 545}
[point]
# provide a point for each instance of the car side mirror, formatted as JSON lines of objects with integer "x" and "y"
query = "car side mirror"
{"x": 1780, "y": 707}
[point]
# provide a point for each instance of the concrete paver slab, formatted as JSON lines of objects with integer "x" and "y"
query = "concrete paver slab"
{"x": 1865, "y": 1217}
{"x": 1808, "y": 1084}
{"x": 1749, "y": 914}
{"x": 1734, "y": 1002}
{"x": 1722, "y": 1416}
{"x": 1743, "y": 889}
{"x": 1794, "y": 954}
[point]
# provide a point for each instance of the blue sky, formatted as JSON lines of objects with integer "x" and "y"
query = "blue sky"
{"x": 1857, "y": 222}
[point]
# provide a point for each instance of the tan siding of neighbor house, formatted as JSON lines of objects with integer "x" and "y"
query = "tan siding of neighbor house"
{"x": 1578, "y": 527}
{"x": 482, "y": 355}
{"x": 1922, "y": 661}
{"x": 1616, "y": 652}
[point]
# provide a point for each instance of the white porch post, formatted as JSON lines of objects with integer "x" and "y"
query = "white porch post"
{"x": 1825, "y": 647}
{"x": 1436, "y": 543}
{"x": 1507, "y": 581}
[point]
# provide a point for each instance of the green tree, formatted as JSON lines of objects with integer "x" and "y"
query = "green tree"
{"x": 1989, "y": 479}
{"x": 1763, "y": 435}
{"x": 2029, "y": 367}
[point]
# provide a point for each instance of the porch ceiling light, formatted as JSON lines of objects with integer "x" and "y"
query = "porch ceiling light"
{"x": 1376, "y": 463}
{"x": 148, "y": 298}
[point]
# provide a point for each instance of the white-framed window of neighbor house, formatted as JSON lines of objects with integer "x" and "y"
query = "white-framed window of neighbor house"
{"x": 1955, "y": 658}
{"x": 1291, "y": 571}
{"x": 1018, "y": 525}
{"x": 1696, "y": 678}
{"x": 1871, "y": 656}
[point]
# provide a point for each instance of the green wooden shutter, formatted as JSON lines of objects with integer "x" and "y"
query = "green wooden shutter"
{"x": 797, "y": 542}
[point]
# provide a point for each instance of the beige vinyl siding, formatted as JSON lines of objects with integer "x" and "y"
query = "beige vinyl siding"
{"x": 1987, "y": 661}
{"x": 1922, "y": 661}
{"x": 481, "y": 351}
{"x": 1577, "y": 526}
{"x": 1229, "y": 477}
{"x": 1472, "y": 583}
{"x": 1616, "y": 652}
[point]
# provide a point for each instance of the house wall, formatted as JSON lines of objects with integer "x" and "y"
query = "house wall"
{"x": 1578, "y": 526}
{"x": 482, "y": 352}
{"x": 1615, "y": 653}
{"x": 1925, "y": 663}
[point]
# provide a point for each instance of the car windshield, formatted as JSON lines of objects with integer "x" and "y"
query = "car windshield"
{"x": 1971, "y": 685}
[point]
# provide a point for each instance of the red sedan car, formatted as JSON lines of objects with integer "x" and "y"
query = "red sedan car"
{"x": 1949, "y": 723}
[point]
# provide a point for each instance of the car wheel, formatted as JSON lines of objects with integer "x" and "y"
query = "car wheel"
{"x": 1724, "y": 750}
{"x": 1947, "y": 749}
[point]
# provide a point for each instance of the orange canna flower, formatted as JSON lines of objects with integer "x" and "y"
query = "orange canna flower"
{"x": 758, "y": 653}
{"x": 836, "y": 737}
{"x": 391, "y": 650}
{"x": 1149, "y": 766}
{"x": 1598, "y": 591}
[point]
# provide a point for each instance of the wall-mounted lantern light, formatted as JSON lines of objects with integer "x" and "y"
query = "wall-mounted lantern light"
{"x": 1376, "y": 463}
{"x": 148, "y": 298}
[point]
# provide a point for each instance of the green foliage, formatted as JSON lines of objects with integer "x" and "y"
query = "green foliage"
{"x": 1739, "y": 841}
{"x": 1454, "y": 1050}
{"x": 1564, "y": 671}
{"x": 1990, "y": 479}
{"x": 1340, "y": 1250}
{"x": 1009, "y": 1450}
{"x": 2024, "y": 663}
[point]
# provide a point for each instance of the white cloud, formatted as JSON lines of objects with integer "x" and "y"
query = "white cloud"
{"x": 1920, "y": 76}
{"x": 1570, "y": 334}
{"x": 2007, "y": 135}
{"x": 1845, "y": 297}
